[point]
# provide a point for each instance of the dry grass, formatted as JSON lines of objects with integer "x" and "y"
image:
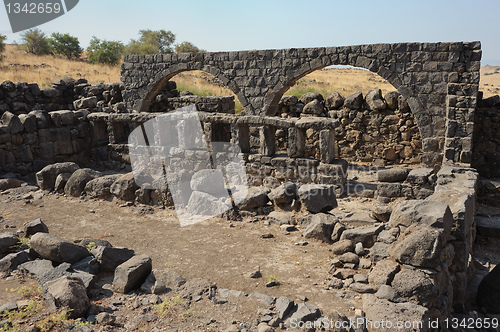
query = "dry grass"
{"x": 19, "y": 66}
{"x": 490, "y": 81}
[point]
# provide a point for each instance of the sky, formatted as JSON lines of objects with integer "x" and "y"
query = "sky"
{"x": 274, "y": 24}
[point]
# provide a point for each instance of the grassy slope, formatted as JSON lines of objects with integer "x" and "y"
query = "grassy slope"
{"x": 18, "y": 66}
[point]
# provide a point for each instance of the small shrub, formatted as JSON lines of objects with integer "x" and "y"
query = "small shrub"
{"x": 66, "y": 45}
{"x": 35, "y": 41}
{"x": 105, "y": 52}
{"x": 2, "y": 45}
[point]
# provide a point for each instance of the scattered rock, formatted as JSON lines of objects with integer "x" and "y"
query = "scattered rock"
{"x": 281, "y": 218}
{"x": 9, "y": 183}
{"x": 383, "y": 273}
{"x": 359, "y": 250}
{"x": 256, "y": 197}
{"x": 361, "y": 288}
{"x": 305, "y": 312}
{"x": 35, "y": 226}
{"x": 132, "y": 274}
{"x": 318, "y": 197}
{"x": 349, "y": 257}
{"x": 160, "y": 281}
{"x": 11, "y": 261}
{"x": 320, "y": 227}
{"x": 105, "y": 318}
{"x": 342, "y": 246}
{"x": 284, "y": 306}
{"x": 415, "y": 285}
{"x": 101, "y": 186}
{"x": 392, "y": 175}
{"x": 386, "y": 292}
{"x": 109, "y": 257}
{"x": 255, "y": 273}
{"x": 366, "y": 235}
{"x": 56, "y": 249}
{"x": 283, "y": 194}
{"x": 210, "y": 181}
{"x": 381, "y": 213}
{"x": 124, "y": 187}
{"x": 7, "y": 240}
{"x": 67, "y": 292}
{"x": 419, "y": 246}
{"x": 46, "y": 178}
{"x": 61, "y": 181}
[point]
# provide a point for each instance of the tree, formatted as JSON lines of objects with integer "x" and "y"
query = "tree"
{"x": 151, "y": 42}
{"x": 187, "y": 47}
{"x": 103, "y": 51}
{"x": 35, "y": 41}
{"x": 66, "y": 45}
{"x": 2, "y": 45}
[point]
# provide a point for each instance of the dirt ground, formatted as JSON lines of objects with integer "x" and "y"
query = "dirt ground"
{"x": 224, "y": 252}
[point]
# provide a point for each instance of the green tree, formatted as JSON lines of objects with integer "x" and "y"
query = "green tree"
{"x": 66, "y": 45}
{"x": 103, "y": 51}
{"x": 187, "y": 47}
{"x": 35, "y": 41}
{"x": 151, "y": 42}
{"x": 2, "y": 45}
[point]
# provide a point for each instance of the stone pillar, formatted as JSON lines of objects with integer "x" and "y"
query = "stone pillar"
{"x": 296, "y": 142}
{"x": 240, "y": 134}
{"x": 208, "y": 130}
{"x": 327, "y": 146}
{"x": 267, "y": 140}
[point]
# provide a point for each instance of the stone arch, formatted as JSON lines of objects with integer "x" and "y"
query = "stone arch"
{"x": 161, "y": 78}
{"x": 421, "y": 115}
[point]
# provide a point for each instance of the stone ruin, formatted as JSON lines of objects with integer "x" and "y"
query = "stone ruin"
{"x": 419, "y": 245}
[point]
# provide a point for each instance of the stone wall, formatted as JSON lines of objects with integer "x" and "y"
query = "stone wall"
{"x": 486, "y": 145}
{"x": 375, "y": 128}
{"x": 439, "y": 80}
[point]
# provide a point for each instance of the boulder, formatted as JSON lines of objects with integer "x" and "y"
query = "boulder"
{"x": 9, "y": 183}
{"x": 110, "y": 257}
{"x": 67, "y": 292}
{"x": 35, "y": 226}
{"x": 313, "y": 107}
{"x": 378, "y": 252}
{"x": 204, "y": 204}
{"x": 391, "y": 99}
{"x": 101, "y": 186}
{"x": 284, "y": 306}
{"x": 124, "y": 187}
{"x": 84, "y": 103}
{"x": 392, "y": 175}
{"x": 12, "y": 261}
{"x": 7, "y": 240}
{"x": 320, "y": 227}
{"x": 56, "y": 249}
{"x": 381, "y": 213}
{"x": 160, "y": 281}
{"x": 256, "y": 197}
{"x": 132, "y": 274}
{"x": 349, "y": 257}
{"x": 318, "y": 197}
{"x": 354, "y": 101}
{"x": 415, "y": 286}
{"x": 365, "y": 235}
{"x": 383, "y": 273}
{"x": 334, "y": 101}
{"x": 378, "y": 310}
{"x": 210, "y": 181}
{"x": 12, "y": 122}
{"x": 431, "y": 213}
{"x": 488, "y": 293}
{"x": 305, "y": 312}
{"x": 375, "y": 101}
{"x": 420, "y": 176}
{"x": 284, "y": 194}
{"x": 61, "y": 181}
{"x": 341, "y": 247}
{"x": 76, "y": 183}
{"x": 308, "y": 97}
{"x": 281, "y": 218}
{"x": 46, "y": 178}
{"x": 419, "y": 246}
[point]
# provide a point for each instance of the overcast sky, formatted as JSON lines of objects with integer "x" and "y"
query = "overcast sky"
{"x": 263, "y": 24}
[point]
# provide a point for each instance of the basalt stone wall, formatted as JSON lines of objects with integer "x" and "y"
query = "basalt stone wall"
{"x": 486, "y": 153}
{"x": 373, "y": 128}
{"x": 439, "y": 80}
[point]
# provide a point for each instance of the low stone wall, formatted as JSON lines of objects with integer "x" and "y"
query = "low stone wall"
{"x": 486, "y": 140}
{"x": 373, "y": 128}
